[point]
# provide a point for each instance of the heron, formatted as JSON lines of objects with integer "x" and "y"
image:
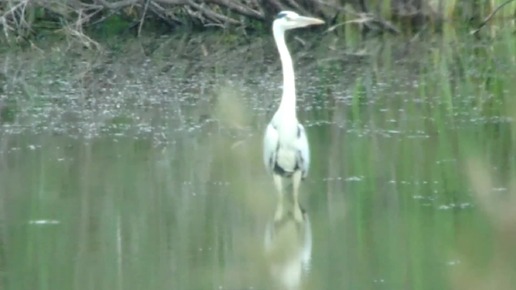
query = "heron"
{"x": 286, "y": 151}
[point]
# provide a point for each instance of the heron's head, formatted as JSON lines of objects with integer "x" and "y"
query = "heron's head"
{"x": 286, "y": 20}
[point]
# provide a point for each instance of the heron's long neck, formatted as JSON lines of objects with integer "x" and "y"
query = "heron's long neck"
{"x": 288, "y": 99}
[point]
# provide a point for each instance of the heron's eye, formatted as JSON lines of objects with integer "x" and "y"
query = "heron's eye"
{"x": 281, "y": 15}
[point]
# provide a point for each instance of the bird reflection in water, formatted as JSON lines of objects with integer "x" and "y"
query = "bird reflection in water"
{"x": 288, "y": 249}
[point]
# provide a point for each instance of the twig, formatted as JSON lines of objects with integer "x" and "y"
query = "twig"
{"x": 474, "y": 32}
{"x": 241, "y": 9}
{"x": 143, "y": 16}
{"x": 360, "y": 20}
{"x": 369, "y": 20}
{"x": 174, "y": 2}
{"x": 117, "y": 5}
{"x": 212, "y": 14}
{"x": 6, "y": 26}
{"x": 17, "y": 13}
{"x": 76, "y": 31}
{"x": 13, "y": 9}
{"x": 161, "y": 12}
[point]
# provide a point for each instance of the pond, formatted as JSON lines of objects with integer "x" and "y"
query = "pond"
{"x": 140, "y": 167}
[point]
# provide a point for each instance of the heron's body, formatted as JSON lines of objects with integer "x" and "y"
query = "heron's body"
{"x": 286, "y": 150}
{"x": 289, "y": 144}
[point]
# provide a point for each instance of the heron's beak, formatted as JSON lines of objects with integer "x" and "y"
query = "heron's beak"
{"x": 305, "y": 21}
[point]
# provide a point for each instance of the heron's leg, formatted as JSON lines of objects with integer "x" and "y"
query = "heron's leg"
{"x": 279, "y": 187}
{"x": 296, "y": 181}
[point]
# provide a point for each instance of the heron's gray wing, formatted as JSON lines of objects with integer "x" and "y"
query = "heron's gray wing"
{"x": 304, "y": 150}
{"x": 270, "y": 145}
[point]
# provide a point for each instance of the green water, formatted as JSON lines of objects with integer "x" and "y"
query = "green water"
{"x": 145, "y": 172}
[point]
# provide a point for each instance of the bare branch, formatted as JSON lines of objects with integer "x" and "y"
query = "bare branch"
{"x": 117, "y": 5}
{"x": 142, "y": 19}
{"x": 173, "y": 2}
{"x": 240, "y": 8}
{"x": 162, "y": 13}
{"x": 212, "y": 14}
{"x": 474, "y": 32}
